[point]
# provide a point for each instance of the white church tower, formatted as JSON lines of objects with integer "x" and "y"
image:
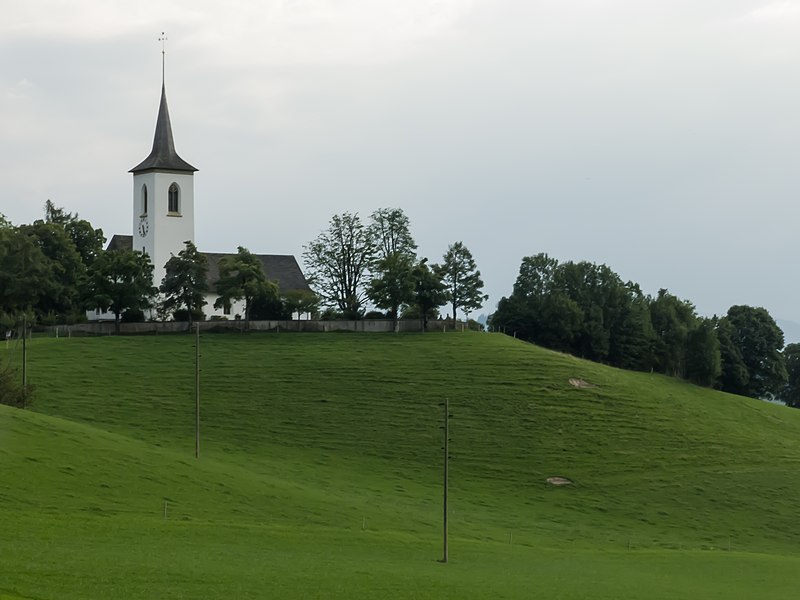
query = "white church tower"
{"x": 163, "y": 198}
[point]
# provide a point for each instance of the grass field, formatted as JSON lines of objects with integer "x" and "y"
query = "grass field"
{"x": 320, "y": 474}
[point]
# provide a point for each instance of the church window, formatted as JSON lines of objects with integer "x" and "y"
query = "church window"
{"x": 174, "y": 199}
{"x": 226, "y": 309}
{"x": 144, "y": 199}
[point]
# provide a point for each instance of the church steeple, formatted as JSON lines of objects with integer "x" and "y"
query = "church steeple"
{"x": 163, "y": 155}
{"x": 163, "y": 195}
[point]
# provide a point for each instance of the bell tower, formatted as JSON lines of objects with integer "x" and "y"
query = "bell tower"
{"x": 163, "y": 196}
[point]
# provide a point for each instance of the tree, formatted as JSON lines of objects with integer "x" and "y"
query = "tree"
{"x": 300, "y": 302}
{"x": 393, "y": 286}
{"x": 672, "y": 320}
{"x": 241, "y": 277}
{"x": 63, "y": 299}
{"x": 268, "y": 306}
{"x": 632, "y": 337}
{"x": 461, "y": 279}
{"x": 734, "y": 376}
{"x": 756, "y": 340}
{"x": 12, "y": 392}
{"x": 391, "y": 232}
{"x": 88, "y": 241}
{"x": 790, "y": 394}
{"x": 703, "y": 357}
{"x": 26, "y": 274}
{"x": 338, "y": 263}
{"x": 537, "y": 310}
{"x": 429, "y": 292}
{"x": 121, "y": 280}
{"x": 185, "y": 281}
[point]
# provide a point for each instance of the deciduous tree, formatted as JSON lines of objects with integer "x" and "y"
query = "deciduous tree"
{"x": 391, "y": 233}
{"x": 790, "y": 394}
{"x": 301, "y": 302}
{"x": 338, "y": 263}
{"x": 759, "y": 340}
{"x": 703, "y": 357}
{"x": 88, "y": 241}
{"x": 241, "y": 277}
{"x": 121, "y": 280}
{"x": 393, "y": 284}
{"x": 429, "y": 292}
{"x": 185, "y": 281}
{"x": 26, "y": 274}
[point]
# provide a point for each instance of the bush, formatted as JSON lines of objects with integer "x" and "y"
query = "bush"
{"x": 182, "y": 315}
{"x": 331, "y": 314}
{"x": 11, "y": 392}
{"x": 132, "y": 315}
{"x": 375, "y": 314}
{"x": 269, "y": 308}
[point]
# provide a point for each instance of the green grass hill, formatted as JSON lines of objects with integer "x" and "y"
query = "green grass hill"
{"x": 321, "y": 466}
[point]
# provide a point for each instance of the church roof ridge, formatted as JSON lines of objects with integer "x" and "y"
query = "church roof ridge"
{"x": 163, "y": 155}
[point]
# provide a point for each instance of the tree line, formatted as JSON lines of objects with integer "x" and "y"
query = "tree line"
{"x": 54, "y": 270}
{"x": 352, "y": 264}
{"x": 587, "y": 310}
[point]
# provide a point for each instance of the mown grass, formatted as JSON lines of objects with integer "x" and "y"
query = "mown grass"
{"x": 321, "y": 463}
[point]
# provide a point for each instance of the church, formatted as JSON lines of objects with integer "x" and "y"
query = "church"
{"x": 163, "y": 219}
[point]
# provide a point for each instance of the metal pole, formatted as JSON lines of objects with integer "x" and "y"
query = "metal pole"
{"x": 446, "y": 460}
{"x": 197, "y": 392}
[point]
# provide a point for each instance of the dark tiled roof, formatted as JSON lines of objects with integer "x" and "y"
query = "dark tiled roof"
{"x": 282, "y": 268}
{"x": 163, "y": 155}
{"x": 120, "y": 242}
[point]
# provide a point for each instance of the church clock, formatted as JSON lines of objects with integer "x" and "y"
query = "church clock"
{"x": 144, "y": 226}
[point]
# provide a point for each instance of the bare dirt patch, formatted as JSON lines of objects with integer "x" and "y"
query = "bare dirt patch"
{"x": 559, "y": 481}
{"x": 580, "y": 383}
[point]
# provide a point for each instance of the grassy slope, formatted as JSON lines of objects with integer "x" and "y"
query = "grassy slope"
{"x": 320, "y": 473}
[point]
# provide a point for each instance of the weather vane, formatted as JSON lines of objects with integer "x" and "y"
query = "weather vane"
{"x": 163, "y": 40}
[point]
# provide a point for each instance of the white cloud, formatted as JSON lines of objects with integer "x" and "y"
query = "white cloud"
{"x": 775, "y": 12}
{"x": 18, "y": 91}
{"x": 243, "y": 32}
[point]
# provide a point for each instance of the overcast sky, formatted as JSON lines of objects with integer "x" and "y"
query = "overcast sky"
{"x": 659, "y": 137}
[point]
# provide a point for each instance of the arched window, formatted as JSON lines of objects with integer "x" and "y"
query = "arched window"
{"x": 174, "y": 199}
{"x": 144, "y": 199}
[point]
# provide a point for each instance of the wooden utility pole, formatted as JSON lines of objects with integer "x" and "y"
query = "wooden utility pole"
{"x": 444, "y": 482}
{"x": 24, "y": 351}
{"x": 197, "y": 392}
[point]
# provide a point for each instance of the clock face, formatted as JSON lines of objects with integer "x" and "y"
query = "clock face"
{"x": 144, "y": 226}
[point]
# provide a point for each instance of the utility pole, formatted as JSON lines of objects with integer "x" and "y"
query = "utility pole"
{"x": 445, "y": 474}
{"x": 197, "y": 392}
{"x": 24, "y": 351}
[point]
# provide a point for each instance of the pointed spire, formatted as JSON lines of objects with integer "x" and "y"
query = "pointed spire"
{"x": 163, "y": 155}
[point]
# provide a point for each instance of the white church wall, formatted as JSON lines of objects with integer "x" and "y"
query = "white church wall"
{"x": 166, "y": 231}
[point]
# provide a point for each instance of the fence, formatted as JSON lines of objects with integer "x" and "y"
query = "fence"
{"x": 308, "y": 326}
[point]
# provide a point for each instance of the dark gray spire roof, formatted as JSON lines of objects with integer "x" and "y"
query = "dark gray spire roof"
{"x": 163, "y": 155}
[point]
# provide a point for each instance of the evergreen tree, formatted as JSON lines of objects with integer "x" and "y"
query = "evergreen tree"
{"x": 462, "y": 280}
